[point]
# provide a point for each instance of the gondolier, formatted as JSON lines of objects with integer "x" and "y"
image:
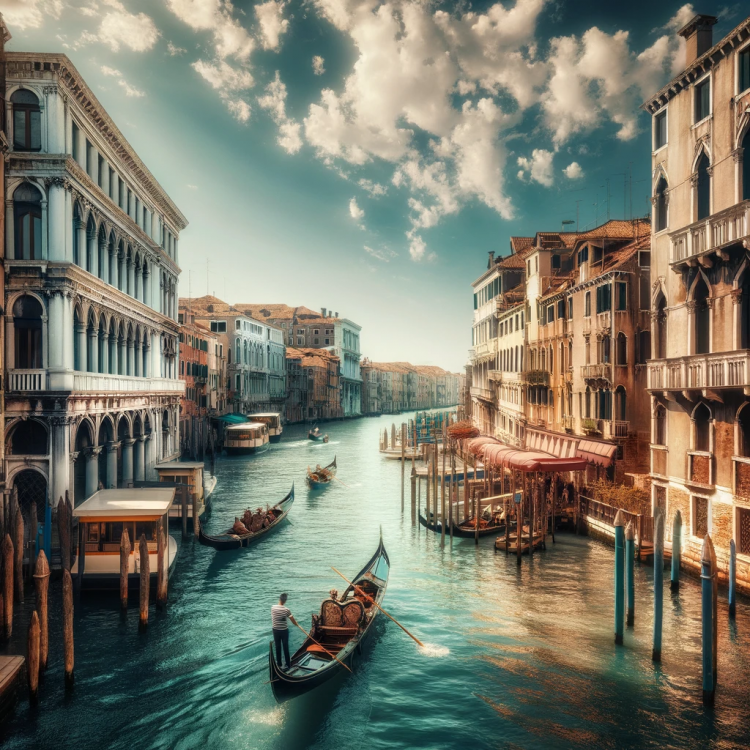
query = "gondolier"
{"x": 279, "y": 614}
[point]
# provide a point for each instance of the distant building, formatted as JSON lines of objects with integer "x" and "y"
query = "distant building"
{"x": 313, "y": 381}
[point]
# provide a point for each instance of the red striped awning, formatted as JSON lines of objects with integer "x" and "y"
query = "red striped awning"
{"x": 592, "y": 451}
{"x": 476, "y": 444}
{"x": 505, "y": 456}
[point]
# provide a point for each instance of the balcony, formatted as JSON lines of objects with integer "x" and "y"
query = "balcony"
{"x": 615, "y": 429}
{"x": 100, "y": 383}
{"x": 568, "y": 423}
{"x": 28, "y": 381}
{"x": 535, "y": 377}
{"x": 495, "y": 376}
{"x": 703, "y": 372}
{"x": 694, "y": 243}
{"x": 593, "y": 426}
{"x": 483, "y": 351}
{"x": 597, "y": 372}
{"x": 484, "y": 393}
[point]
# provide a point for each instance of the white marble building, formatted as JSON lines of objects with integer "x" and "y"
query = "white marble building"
{"x": 91, "y": 333}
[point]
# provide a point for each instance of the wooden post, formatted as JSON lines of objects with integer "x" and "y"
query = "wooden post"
{"x": 18, "y": 549}
{"x": 532, "y": 510}
{"x": 33, "y": 529}
{"x": 674, "y": 582}
{"x": 508, "y": 506}
{"x": 630, "y": 572}
{"x": 145, "y": 579}
{"x": 428, "y": 477}
{"x": 124, "y": 568}
{"x": 196, "y": 519}
{"x": 476, "y": 520}
{"x": 554, "y": 505}
{"x": 454, "y": 489}
{"x": 403, "y": 463}
{"x": 640, "y": 536}
{"x": 63, "y": 531}
{"x": 520, "y": 516}
{"x": 68, "y": 627}
{"x": 41, "y": 583}
{"x": 708, "y": 612}
{"x": 732, "y": 578}
{"x": 161, "y": 574}
{"x": 32, "y": 658}
{"x": 442, "y": 496}
{"x": 658, "y": 583}
{"x": 8, "y": 558}
{"x": 81, "y": 555}
{"x": 184, "y": 509}
{"x": 619, "y": 577}
{"x": 413, "y": 497}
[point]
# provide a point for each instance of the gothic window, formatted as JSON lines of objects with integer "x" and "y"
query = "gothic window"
{"x": 660, "y": 350}
{"x": 743, "y": 449}
{"x": 660, "y": 206}
{"x": 704, "y": 187}
{"x": 29, "y": 438}
{"x": 702, "y": 419}
{"x": 27, "y": 324}
{"x": 644, "y": 347}
{"x": 27, "y": 216}
{"x": 621, "y": 408}
{"x": 27, "y": 121}
{"x": 622, "y": 349}
{"x": 660, "y": 426}
{"x": 702, "y": 317}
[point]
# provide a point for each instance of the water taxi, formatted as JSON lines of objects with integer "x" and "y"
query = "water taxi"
{"x": 273, "y": 421}
{"x": 251, "y": 437}
{"x": 191, "y": 474}
{"x": 102, "y": 519}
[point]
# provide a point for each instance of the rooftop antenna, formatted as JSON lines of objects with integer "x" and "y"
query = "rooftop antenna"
{"x": 566, "y": 222}
{"x": 577, "y": 209}
{"x": 207, "y": 277}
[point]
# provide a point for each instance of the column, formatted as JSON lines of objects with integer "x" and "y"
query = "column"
{"x": 127, "y": 461}
{"x": 114, "y": 268}
{"x": 56, "y": 224}
{"x": 147, "y": 222}
{"x": 146, "y": 356}
{"x": 122, "y": 278}
{"x": 147, "y": 288}
{"x": 131, "y": 279}
{"x": 55, "y": 329}
{"x": 137, "y": 283}
{"x": 137, "y": 361}
{"x": 104, "y": 270}
{"x": 155, "y": 369}
{"x": 68, "y": 333}
{"x": 105, "y": 177}
{"x": 83, "y": 363}
{"x": 104, "y": 348}
{"x": 92, "y": 470}
{"x": 9, "y": 230}
{"x": 81, "y": 147}
{"x": 114, "y": 365}
{"x": 111, "y": 465}
{"x": 94, "y": 254}
{"x": 114, "y": 187}
{"x": 151, "y": 459}
{"x": 131, "y": 347}
{"x": 93, "y": 350}
{"x": 122, "y": 356}
{"x": 59, "y": 469}
{"x": 139, "y": 460}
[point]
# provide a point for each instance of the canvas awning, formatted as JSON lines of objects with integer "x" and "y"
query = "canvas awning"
{"x": 233, "y": 418}
{"x": 506, "y": 456}
{"x": 475, "y": 444}
{"x": 602, "y": 454}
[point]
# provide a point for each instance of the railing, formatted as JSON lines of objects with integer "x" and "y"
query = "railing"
{"x": 535, "y": 377}
{"x": 710, "y": 234}
{"x": 91, "y": 381}
{"x": 592, "y": 425}
{"x": 568, "y": 422}
{"x": 495, "y": 375}
{"x": 484, "y": 349}
{"x": 27, "y": 380}
{"x": 728, "y": 370}
{"x": 484, "y": 393}
{"x": 597, "y": 372}
{"x": 616, "y": 428}
{"x": 606, "y": 514}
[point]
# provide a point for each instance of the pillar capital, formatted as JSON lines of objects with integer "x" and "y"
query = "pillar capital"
{"x": 112, "y": 447}
{"x": 92, "y": 452}
{"x": 127, "y": 442}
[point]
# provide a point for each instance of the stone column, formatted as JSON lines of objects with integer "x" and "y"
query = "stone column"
{"x": 55, "y": 331}
{"x": 136, "y": 283}
{"x": 147, "y": 288}
{"x": 93, "y": 250}
{"x": 81, "y": 148}
{"x": 104, "y": 347}
{"x": 122, "y": 278}
{"x": 68, "y": 332}
{"x": 151, "y": 456}
{"x": 127, "y": 461}
{"x": 131, "y": 279}
{"x": 56, "y": 221}
{"x": 139, "y": 459}
{"x": 83, "y": 363}
{"x": 131, "y": 353}
{"x": 114, "y": 188}
{"x": 105, "y": 177}
{"x": 93, "y": 353}
{"x": 92, "y": 470}
{"x": 112, "y": 465}
{"x": 59, "y": 470}
{"x": 114, "y": 365}
{"x": 104, "y": 270}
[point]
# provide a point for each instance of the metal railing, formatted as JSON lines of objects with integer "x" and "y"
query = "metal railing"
{"x": 535, "y": 377}
{"x": 616, "y": 428}
{"x": 568, "y": 422}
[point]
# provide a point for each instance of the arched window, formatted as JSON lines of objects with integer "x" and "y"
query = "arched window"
{"x": 660, "y": 206}
{"x": 660, "y": 426}
{"x": 29, "y": 438}
{"x": 743, "y": 449}
{"x": 746, "y": 166}
{"x": 704, "y": 187}
{"x": 27, "y": 216}
{"x": 621, "y": 405}
{"x": 702, "y": 419}
{"x": 606, "y": 345}
{"x": 660, "y": 349}
{"x": 27, "y": 324}
{"x": 605, "y": 404}
{"x": 702, "y": 318}
{"x": 27, "y": 121}
{"x": 644, "y": 347}
{"x": 745, "y": 305}
{"x": 587, "y": 305}
{"x": 622, "y": 349}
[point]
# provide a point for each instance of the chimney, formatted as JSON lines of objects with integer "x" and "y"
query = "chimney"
{"x": 335, "y": 315}
{"x": 492, "y": 259}
{"x": 698, "y": 36}
{"x": 323, "y": 312}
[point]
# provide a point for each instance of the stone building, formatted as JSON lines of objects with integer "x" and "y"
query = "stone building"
{"x": 92, "y": 266}
{"x": 4, "y": 38}
{"x": 313, "y": 377}
{"x": 699, "y": 374}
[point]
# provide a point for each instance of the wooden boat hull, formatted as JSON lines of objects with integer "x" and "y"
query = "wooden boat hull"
{"x": 317, "y": 438}
{"x": 233, "y": 541}
{"x": 246, "y": 450}
{"x": 461, "y": 531}
{"x": 287, "y": 685}
{"x": 313, "y": 483}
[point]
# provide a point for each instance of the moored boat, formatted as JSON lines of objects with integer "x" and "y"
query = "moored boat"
{"x": 322, "y": 475}
{"x": 231, "y": 539}
{"x": 272, "y": 420}
{"x": 190, "y": 474}
{"x": 338, "y": 631}
{"x": 251, "y": 437}
{"x": 465, "y": 528}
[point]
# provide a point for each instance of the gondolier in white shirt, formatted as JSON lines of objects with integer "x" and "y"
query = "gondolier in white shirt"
{"x": 279, "y": 614}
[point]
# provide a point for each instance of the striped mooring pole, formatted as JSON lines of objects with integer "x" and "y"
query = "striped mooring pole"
{"x": 630, "y": 572}
{"x": 674, "y": 582}
{"x": 658, "y": 584}
{"x": 732, "y": 578}
{"x": 708, "y": 613}
{"x": 619, "y": 577}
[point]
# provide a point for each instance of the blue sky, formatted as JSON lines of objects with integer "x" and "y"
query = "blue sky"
{"x": 365, "y": 157}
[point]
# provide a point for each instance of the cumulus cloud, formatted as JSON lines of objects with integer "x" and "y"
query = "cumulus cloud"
{"x": 538, "y": 168}
{"x": 272, "y": 23}
{"x": 318, "y": 65}
{"x": 375, "y": 189}
{"x": 573, "y": 171}
{"x": 229, "y": 81}
{"x": 274, "y": 101}
{"x": 174, "y": 50}
{"x": 356, "y": 212}
{"x": 127, "y": 88}
{"x": 29, "y": 14}
{"x": 383, "y": 254}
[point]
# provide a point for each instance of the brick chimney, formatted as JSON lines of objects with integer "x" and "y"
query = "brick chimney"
{"x": 323, "y": 312}
{"x": 492, "y": 259}
{"x": 698, "y": 35}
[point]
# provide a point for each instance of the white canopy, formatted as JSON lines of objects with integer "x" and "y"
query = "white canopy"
{"x": 127, "y": 502}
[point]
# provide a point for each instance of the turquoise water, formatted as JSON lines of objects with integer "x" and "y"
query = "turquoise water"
{"x": 518, "y": 658}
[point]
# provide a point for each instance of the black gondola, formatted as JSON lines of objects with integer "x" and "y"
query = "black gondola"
{"x": 340, "y": 629}
{"x": 321, "y": 477}
{"x": 317, "y": 436}
{"x": 463, "y": 529}
{"x": 230, "y": 540}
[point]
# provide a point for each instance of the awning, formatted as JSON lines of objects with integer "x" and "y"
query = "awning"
{"x": 475, "y": 444}
{"x": 595, "y": 452}
{"x": 234, "y": 418}
{"x": 505, "y": 456}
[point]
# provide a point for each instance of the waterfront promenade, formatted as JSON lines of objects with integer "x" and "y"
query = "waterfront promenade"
{"x": 517, "y": 658}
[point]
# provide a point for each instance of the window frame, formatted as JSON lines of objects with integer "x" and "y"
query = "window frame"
{"x": 28, "y": 109}
{"x": 31, "y": 211}
{"x": 698, "y": 85}
{"x": 660, "y": 114}
{"x": 743, "y": 50}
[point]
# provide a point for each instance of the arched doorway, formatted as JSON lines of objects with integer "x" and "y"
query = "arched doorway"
{"x": 84, "y": 439}
{"x": 31, "y": 486}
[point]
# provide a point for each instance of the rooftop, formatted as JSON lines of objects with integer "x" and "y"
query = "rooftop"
{"x": 150, "y": 501}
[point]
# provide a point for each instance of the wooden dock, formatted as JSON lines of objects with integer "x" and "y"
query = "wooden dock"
{"x": 11, "y": 669}
{"x": 512, "y": 544}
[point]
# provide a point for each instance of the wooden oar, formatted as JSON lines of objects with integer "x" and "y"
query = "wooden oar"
{"x": 338, "y": 480}
{"x": 321, "y": 645}
{"x": 379, "y": 607}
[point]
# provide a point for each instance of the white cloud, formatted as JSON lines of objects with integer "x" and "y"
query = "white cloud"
{"x": 272, "y": 23}
{"x": 384, "y": 255}
{"x": 538, "y": 167}
{"x": 274, "y": 101}
{"x": 318, "y": 64}
{"x": 110, "y": 71}
{"x": 375, "y": 189}
{"x": 222, "y": 76}
{"x": 174, "y": 50}
{"x": 573, "y": 171}
{"x": 238, "y": 108}
{"x": 417, "y": 247}
{"x": 118, "y": 28}
{"x": 356, "y": 212}
{"x": 29, "y": 14}
{"x": 129, "y": 90}
{"x": 191, "y": 186}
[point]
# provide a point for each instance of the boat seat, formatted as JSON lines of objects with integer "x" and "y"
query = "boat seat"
{"x": 330, "y": 630}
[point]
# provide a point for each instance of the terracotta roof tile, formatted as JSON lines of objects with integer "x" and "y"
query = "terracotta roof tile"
{"x": 517, "y": 244}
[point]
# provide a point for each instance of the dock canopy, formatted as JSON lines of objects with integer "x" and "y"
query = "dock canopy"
{"x": 476, "y": 444}
{"x": 140, "y": 504}
{"x": 527, "y": 461}
{"x": 597, "y": 453}
{"x": 179, "y": 465}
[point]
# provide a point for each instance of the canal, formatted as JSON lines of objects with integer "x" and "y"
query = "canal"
{"x": 517, "y": 658}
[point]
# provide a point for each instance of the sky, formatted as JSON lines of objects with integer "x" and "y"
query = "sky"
{"x": 366, "y": 156}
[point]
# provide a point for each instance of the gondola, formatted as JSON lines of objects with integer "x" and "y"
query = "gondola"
{"x": 465, "y": 529}
{"x": 230, "y": 540}
{"x": 321, "y": 477}
{"x": 317, "y": 437}
{"x": 340, "y": 628}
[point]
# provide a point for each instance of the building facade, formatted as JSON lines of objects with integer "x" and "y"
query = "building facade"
{"x": 313, "y": 377}
{"x": 699, "y": 373}
{"x": 91, "y": 332}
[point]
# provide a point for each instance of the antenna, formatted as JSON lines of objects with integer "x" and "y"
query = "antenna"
{"x": 206, "y": 277}
{"x": 577, "y": 209}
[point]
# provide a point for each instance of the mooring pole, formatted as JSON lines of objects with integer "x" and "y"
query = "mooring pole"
{"x": 630, "y": 572}
{"x": 619, "y": 577}
{"x": 708, "y": 575}
{"x": 732, "y": 578}
{"x": 674, "y": 583}
{"x": 658, "y": 584}
{"x": 403, "y": 463}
